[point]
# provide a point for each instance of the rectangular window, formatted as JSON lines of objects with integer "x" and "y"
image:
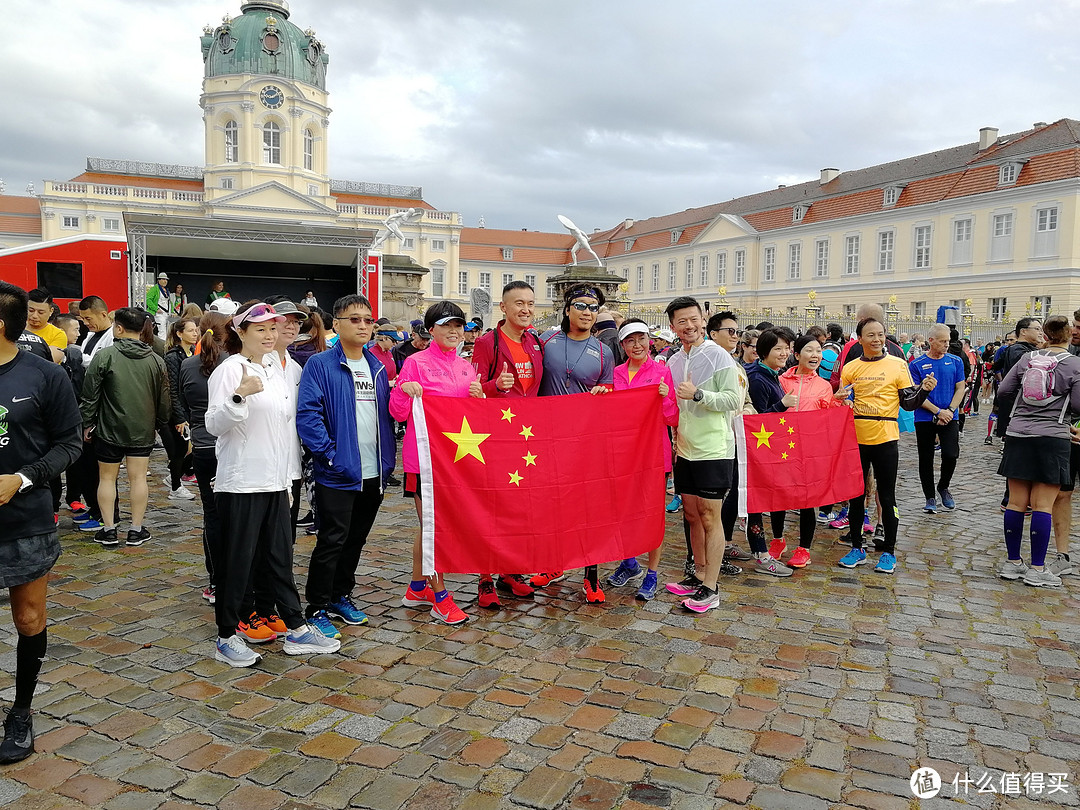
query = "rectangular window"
{"x": 640, "y": 278}
{"x": 821, "y": 258}
{"x": 312, "y": 190}
{"x": 851, "y": 255}
{"x": 1001, "y": 241}
{"x": 438, "y": 245}
{"x": 997, "y": 308}
{"x": 886, "y": 243}
{"x": 918, "y": 309}
{"x": 961, "y": 242}
{"x": 508, "y": 254}
{"x": 61, "y": 279}
{"x": 794, "y": 269}
{"x": 227, "y": 183}
{"x": 922, "y": 247}
{"x": 551, "y": 292}
{"x": 689, "y": 274}
{"x": 1040, "y": 306}
{"x": 1046, "y": 231}
{"x": 463, "y": 282}
{"x": 703, "y": 274}
{"x": 721, "y": 269}
{"x": 507, "y": 278}
{"x": 530, "y": 279}
{"x": 740, "y": 266}
{"x": 769, "y": 264}
{"x": 656, "y": 278}
{"x": 1007, "y": 174}
{"x": 272, "y": 144}
{"x": 71, "y": 222}
{"x": 671, "y": 275}
{"x": 485, "y": 281}
{"x": 849, "y": 310}
{"x": 109, "y": 224}
{"x": 232, "y": 143}
{"x": 437, "y": 276}
{"x": 409, "y": 244}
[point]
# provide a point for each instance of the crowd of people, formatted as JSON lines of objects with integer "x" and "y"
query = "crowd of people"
{"x": 271, "y": 402}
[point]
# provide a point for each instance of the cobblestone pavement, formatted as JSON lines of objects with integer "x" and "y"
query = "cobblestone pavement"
{"x": 822, "y": 690}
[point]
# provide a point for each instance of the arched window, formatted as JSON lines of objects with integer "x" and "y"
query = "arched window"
{"x": 309, "y": 150}
{"x": 232, "y": 143}
{"x": 271, "y": 143}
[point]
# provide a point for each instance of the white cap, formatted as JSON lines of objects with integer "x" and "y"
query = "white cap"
{"x": 161, "y": 276}
{"x": 665, "y": 334}
{"x": 226, "y": 306}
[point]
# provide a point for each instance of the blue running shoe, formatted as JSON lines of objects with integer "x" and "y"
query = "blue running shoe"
{"x": 853, "y": 558}
{"x": 627, "y": 575}
{"x": 308, "y": 639}
{"x": 346, "y": 610}
{"x": 947, "y": 500}
{"x": 887, "y": 563}
{"x": 90, "y": 525}
{"x": 675, "y": 504}
{"x": 234, "y": 652}
{"x": 648, "y": 588}
{"x": 321, "y": 622}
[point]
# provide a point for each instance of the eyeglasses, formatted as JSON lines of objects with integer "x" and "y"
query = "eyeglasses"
{"x": 581, "y": 306}
{"x": 731, "y": 330}
{"x": 357, "y": 320}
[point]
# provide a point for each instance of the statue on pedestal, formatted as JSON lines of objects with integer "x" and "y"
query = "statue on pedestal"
{"x": 392, "y": 225}
{"x": 581, "y": 240}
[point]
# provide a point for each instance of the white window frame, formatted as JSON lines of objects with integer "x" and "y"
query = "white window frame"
{"x": 798, "y": 212}
{"x": 438, "y": 245}
{"x": 551, "y": 291}
{"x": 656, "y": 277}
{"x": 485, "y": 281}
{"x": 628, "y": 245}
{"x": 852, "y": 248}
{"x": 1002, "y": 230}
{"x": 703, "y": 270}
{"x": 821, "y": 258}
{"x": 110, "y": 224}
{"x": 922, "y": 244}
{"x": 70, "y": 222}
{"x": 507, "y": 278}
{"x": 530, "y": 279}
{"x": 228, "y": 183}
{"x": 740, "y": 266}
{"x": 675, "y": 237}
{"x": 1008, "y": 174}
{"x": 271, "y": 133}
{"x": 313, "y": 190}
{"x": 768, "y": 263}
{"x": 409, "y": 243}
{"x": 721, "y": 269}
{"x": 438, "y": 279}
{"x": 671, "y": 273}
{"x": 508, "y": 254}
{"x": 690, "y": 273}
{"x": 1045, "y": 302}
{"x": 641, "y": 278}
{"x": 918, "y": 309}
{"x": 886, "y": 260}
{"x": 463, "y": 282}
{"x": 891, "y": 196}
{"x": 309, "y": 150}
{"x": 1045, "y": 228}
{"x": 232, "y": 142}
{"x": 849, "y": 310}
{"x": 794, "y": 272}
{"x": 963, "y": 232}
{"x": 996, "y": 308}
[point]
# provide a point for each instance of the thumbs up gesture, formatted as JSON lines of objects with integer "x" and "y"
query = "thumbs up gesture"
{"x": 249, "y": 383}
{"x": 476, "y": 389}
{"x": 506, "y": 379}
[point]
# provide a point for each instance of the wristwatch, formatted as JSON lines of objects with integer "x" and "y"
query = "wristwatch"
{"x": 239, "y": 400}
{"x": 699, "y": 395}
{"x": 26, "y": 483}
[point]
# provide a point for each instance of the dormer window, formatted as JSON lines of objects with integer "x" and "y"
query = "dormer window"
{"x": 508, "y": 254}
{"x": 1008, "y": 172}
{"x": 628, "y": 245}
{"x": 675, "y": 237}
{"x": 799, "y": 211}
{"x": 891, "y": 195}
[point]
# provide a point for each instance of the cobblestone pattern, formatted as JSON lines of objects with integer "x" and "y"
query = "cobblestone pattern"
{"x": 822, "y": 690}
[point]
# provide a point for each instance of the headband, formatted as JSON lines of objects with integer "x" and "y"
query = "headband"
{"x": 632, "y": 329}
{"x": 578, "y": 292}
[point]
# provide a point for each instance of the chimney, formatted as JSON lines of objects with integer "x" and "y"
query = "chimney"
{"x": 987, "y": 137}
{"x": 1038, "y": 125}
{"x": 628, "y": 223}
{"x": 828, "y": 175}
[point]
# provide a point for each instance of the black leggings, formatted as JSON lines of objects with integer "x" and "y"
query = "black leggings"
{"x": 729, "y": 512}
{"x": 885, "y": 461}
{"x": 176, "y": 447}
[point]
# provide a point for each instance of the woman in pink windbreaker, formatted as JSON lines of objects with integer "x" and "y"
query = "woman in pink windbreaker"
{"x": 814, "y": 393}
{"x": 638, "y": 371}
{"x": 437, "y": 370}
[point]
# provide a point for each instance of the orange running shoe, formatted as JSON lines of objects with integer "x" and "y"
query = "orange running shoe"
{"x": 274, "y": 622}
{"x": 800, "y": 559}
{"x": 447, "y": 612}
{"x": 255, "y": 630}
{"x": 418, "y": 598}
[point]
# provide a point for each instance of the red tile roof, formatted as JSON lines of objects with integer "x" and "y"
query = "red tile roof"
{"x": 530, "y": 247}
{"x": 20, "y": 215}
{"x": 174, "y": 183}
{"x": 392, "y": 202}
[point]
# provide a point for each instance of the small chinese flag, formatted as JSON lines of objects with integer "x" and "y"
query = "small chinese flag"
{"x": 797, "y": 460}
{"x": 520, "y": 486}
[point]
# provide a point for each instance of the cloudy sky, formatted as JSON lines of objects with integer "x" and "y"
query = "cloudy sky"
{"x": 598, "y": 109}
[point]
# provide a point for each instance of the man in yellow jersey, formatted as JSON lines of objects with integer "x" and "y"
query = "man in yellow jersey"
{"x": 38, "y": 312}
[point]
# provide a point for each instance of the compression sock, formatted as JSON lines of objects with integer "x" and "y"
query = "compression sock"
{"x": 1041, "y": 524}
{"x": 29, "y": 654}
{"x": 631, "y": 563}
{"x": 1014, "y": 532}
{"x": 418, "y": 585}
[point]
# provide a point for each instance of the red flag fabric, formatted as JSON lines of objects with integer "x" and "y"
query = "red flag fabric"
{"x": 540, "y": 483}
{"x": 797, "y": 460}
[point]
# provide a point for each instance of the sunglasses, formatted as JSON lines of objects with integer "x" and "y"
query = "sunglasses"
{"x": 357, "y": 320}
{"x": 581, "y": 306}
{"x": 731, "y": 330}
{"x": 259, "y": 310}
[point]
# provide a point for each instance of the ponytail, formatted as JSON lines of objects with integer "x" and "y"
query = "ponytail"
{"x": 214, "y": 326}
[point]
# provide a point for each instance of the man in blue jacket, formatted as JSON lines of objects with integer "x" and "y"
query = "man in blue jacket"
{"x": 343, "y": 418}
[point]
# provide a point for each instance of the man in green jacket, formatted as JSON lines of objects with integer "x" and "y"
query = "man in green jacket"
{"x": 157, "y": 304}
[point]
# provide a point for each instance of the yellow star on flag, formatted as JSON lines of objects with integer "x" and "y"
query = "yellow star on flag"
{"x": 763, "y": 436}
{"x": 791, "y": 430}
{"x": 783, "y": 420}
{"x": 526, "y": 432}
{"x": 783, "y": 456}
{"x": 791, "y": 444}
{"x": 468, "y": 443}
{"x": 515, "y": 479}
{"x": 530, "y": 460}
{"x": 508, "y": 415}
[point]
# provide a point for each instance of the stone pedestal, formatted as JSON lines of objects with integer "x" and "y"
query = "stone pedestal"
{"x": 402, "y": 295}
{"x": 575, "y": 274}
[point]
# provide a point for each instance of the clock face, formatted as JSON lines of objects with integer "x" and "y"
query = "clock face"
{"x": 271, "y": 97}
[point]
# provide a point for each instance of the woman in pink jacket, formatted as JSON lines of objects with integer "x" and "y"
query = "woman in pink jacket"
{"x": 814, "y": 393}
{"x": 437, "y": 370}
{"x": 638, "y": 371}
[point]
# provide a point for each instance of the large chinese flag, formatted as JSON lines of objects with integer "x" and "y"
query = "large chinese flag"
{"x": 797, "y": 460}
{"x": 539, "y": 484}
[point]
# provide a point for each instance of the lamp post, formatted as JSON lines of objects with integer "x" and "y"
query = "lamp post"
{"x": 813, "y": 310}
{"x": 892, "y": 313}
{"x": 969, "y": 319}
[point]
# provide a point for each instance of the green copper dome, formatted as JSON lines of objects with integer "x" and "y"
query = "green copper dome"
{"x": 263, "y": 41}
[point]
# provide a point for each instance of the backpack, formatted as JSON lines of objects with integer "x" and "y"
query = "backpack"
{"x": 1037, "y": 382}
{"x": 830, "y": 353}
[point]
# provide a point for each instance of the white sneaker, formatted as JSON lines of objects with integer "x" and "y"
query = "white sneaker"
{"x": 1041, "y": 579}
{"x": 308, "y": 639}
{"x": 1012, "y": 570}
{"x": 234, "y": 652}
{"x": 181, "y": 494}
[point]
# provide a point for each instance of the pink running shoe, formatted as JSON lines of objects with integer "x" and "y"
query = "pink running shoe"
{"x": 800, "y": 559}
{"x": 777, "y": 548}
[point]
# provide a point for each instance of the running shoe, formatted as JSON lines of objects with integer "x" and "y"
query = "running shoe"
{"x": 931, "y": 505}
{"x": 703, "y": 600}
{"x": 486, "y": 596}
{"x": 947, "y": 501}
{"x": 826, "y": 517}
{"x": 393, "y": 481}
{"x": 18, "y": 741}
{"x": 648, "y": 587}
{"x": 729, "y": 570}
{"x": 626, "y": 574}
{"x": 772, "y": 567}
{"x": 447, "y": 612}
{"x": 321, "y": 622}
{"x": 675, "y": 504}
{"x": 234, "y": 652}
{"x": 210, "y": 594}
{"x": 181, "y": 494}
{"x": 1062, "y": 565}
{"x": 78, "y": 508}
{"x": 988, "y": 440}
{"x": 189, "y": 479}
{"x": 137, "y": 538}
{"x": 853, "y": 558}
{"x": 594, "y": 594}
{"x": 800, "y": 559}
{"x": 879, "y": 537}
{"x": 1042, "y": 579}
{"x": 688, "y": 587}
{"x": 543, "y": 580}
{"x": 1012, "y": 570}
{"x": 515, "y": 585}
{"x": 843, "y": 539}
{"x": 841, "y": 521}
{"x": 106, "y": 537}
{"x": 736, "y": 554}
{"x": 274, "y": 622}
{"x": 56, "y": 519}
{"x": 345, "y": 609}
{"x": 308, "y": 639}
{"x": 777, "y": 548}
{"x": 79, "y": 518}
{"x": 255, "y": 630}
{"x": 886, "y": 563}
{"x": 867, "y": 526}
{"x": 689, "y": 569}
{"x": 424, "y": 598}
{"x": 90, "y": 525}
{"x": 307, "y": 521}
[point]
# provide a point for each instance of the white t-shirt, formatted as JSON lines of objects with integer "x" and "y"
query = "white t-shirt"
{"x": 367, "y": 428}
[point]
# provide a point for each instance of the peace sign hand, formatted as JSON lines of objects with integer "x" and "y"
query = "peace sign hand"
{"x": 249, "y": 383}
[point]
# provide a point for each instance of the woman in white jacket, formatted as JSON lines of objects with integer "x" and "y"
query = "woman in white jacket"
{"x": 252, "y": 412}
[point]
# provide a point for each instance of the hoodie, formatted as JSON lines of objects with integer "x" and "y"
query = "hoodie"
{"x": 765, "y": 389}
{"x": 125, "y": 395}
{"x": 814, "y": 391}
